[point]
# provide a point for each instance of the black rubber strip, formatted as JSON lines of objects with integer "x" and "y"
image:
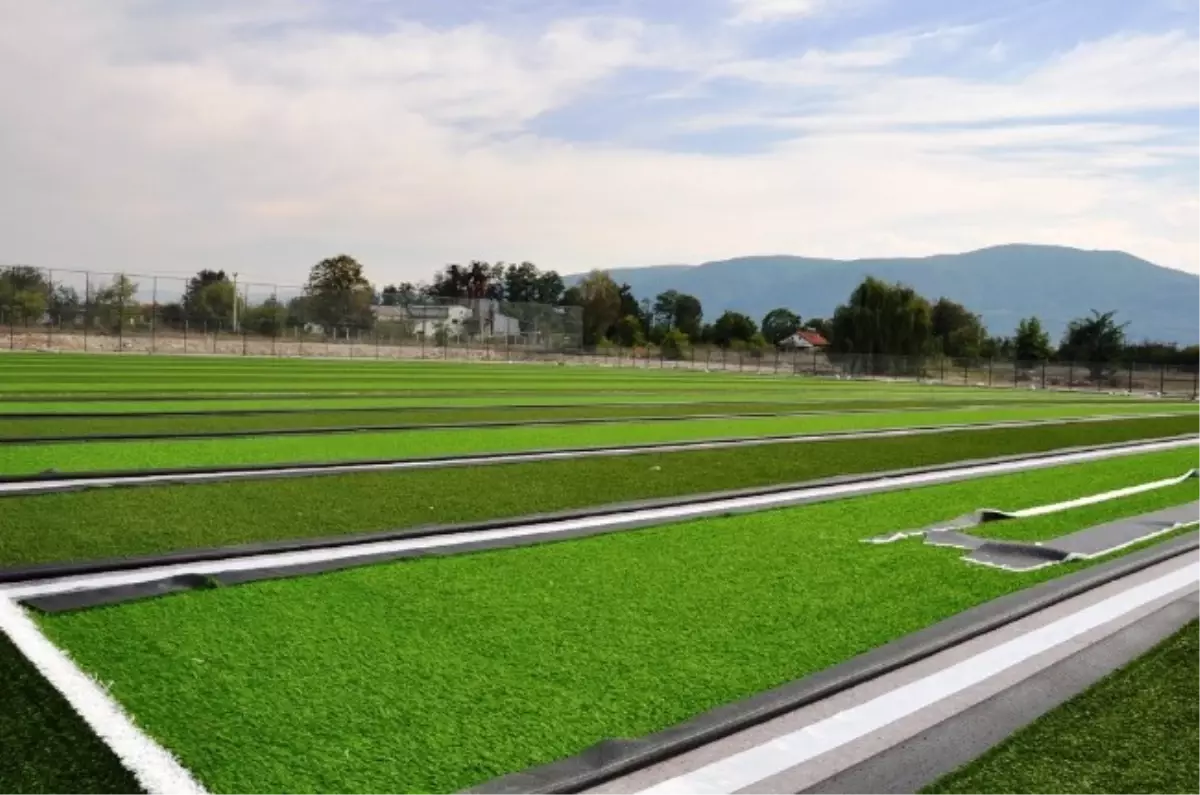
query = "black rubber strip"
{"x": 919, "y": 761}
{"x": 617, "y": 757}
{"x": 44, "y": 571}
{"x": 80, "y": 480}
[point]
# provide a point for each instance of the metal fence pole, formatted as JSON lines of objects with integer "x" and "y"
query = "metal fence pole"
{"x": 121, "y": 314}
{"x": 153, "y": 315}
{"x": 1195, "y": 384}
{"x": 1162, "y": 379}
{"x": 1130, "y": 389}
{"x": 50, "y": 303}
{"x": 990, "y": 371}
{"x": 1043, "y": 373}
{"x": 1071, "y": 376}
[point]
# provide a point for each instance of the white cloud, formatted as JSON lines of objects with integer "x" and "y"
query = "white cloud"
{"x": 408, "y": 147}
{"x": 751, "y": 11}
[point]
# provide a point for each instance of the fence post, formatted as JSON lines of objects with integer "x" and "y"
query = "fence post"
{"x": 1071, "y": 376}
{"x": 1196, "y": 384}
{"x": 154, "y": 315}
{"x": 87, "y": 302}
{"x": 243, "y": 330}
{"x": 1043, "y": 373}
{"x": 1162, "y": 379}
{"x": 990, "y": 370}
{"x": 1015, "y": 381}
{"x": 49, "y": 300}
{"x": 966, "y": 373}
{"x": 121, "y": 315}
{"x": 942, "y": 369}
{"x": 1130, "y": 388}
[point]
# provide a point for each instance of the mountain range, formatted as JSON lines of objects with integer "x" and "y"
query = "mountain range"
{"x": 1002, "y": 284}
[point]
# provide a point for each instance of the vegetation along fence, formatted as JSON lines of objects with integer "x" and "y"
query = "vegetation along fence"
{"x": 53, "y": 310}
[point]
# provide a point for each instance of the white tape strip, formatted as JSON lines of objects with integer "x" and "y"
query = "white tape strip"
{"x": 644, "y": 516}
{"x": 153, "y": 767}
{"x": 748, "y": 767}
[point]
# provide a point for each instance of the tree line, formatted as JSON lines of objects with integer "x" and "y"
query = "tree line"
{"x": 878, "y": 318}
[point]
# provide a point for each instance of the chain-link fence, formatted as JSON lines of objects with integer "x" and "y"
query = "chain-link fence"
{"x": 1166, "y": 380}
{"x": 58, "y": 310}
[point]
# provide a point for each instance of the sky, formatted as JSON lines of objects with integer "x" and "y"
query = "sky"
{"x": 165, "y": 137}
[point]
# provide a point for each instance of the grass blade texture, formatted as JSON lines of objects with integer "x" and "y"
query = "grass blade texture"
{"x": 435, "y": 674}
{"x": 149, "y": 519}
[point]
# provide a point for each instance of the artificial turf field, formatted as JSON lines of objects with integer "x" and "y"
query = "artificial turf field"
{"x": 435, "y": 674}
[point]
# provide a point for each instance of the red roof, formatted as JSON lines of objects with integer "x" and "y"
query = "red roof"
{"x": 813, "y": 338}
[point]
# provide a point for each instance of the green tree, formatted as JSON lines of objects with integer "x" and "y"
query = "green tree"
{"x": 64, "y": 306}
{"x": 675, "y": 310}
{"x": 209, "y": 297}
{"x": 732, "y": 326}
{"x": 675, "y": 345}
{"x": 24, "y": 294}
{"x": 1097, "y": 341}
{"x": 960, "y": 332}
{"x": 882, "y": 318}
{"x": 629, "y": 332}
{"x": 339, "y": 294}
{"x": 268, "y": 318}
{"x": 398, "y": 294}
{"x": 1031, "y": 343}
{"x": 114, "y": 305}
{"x": 600, "y": 299}
{"x": 820, "y": 325}
{"x": 779, "y": 324}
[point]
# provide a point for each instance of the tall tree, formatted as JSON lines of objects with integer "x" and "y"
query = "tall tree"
{"x": 779, "y": 324}
{"x": 1031, "y": 343}
{"x": 731, "y": 326}
{"x": 209, "y": 296}
{"x": 398, "y": 294}
{"x": 1097, "y": 340}
{"x": 600, "y": 298}
{"x": 339, "y": 294}
{"x": 882, "y": 318}
{"x": 24, "y": 294}
{"x": 115, "y": 304}
{"x": 960, "y": 332}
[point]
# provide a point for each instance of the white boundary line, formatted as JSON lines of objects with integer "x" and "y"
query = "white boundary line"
{"x": 153, "y": 767}
{"x": 748, "y": 767}
{"x": 637, "y": 517}
{"x": 44, "y": 486}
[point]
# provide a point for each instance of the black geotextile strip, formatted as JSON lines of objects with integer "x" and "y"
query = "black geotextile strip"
{"x": 611, "y": 758}
{"x": 58, "y": 481}
{"x": 332, "y": 429}
{"x": 75, "y": 568}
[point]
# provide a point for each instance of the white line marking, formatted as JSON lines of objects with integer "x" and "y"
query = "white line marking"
{"x": 755, "y": 764}
{"x": 1042, "y": 510}
{"x": 153, "y": 767}
{"x": 646, "y": 516}
{"x": 35, "y": 486}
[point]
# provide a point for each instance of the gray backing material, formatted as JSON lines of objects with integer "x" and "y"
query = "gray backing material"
{"x": 918, "y": 762}
{"x": 615, "y": 757}
{"x": 55, "y": 482}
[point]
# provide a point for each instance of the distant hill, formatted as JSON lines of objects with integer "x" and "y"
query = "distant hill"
{"x": 1003, "y": 284}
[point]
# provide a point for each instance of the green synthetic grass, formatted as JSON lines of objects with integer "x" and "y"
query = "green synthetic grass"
{"x": 98, "y": 523}
{"x": 159, "y": 454}
{"x": 435, "y": 674}
{"x": 1044, "y": 528}
{"x": 44, "y": 745}
{"x": 320, "y": 417}
{"x": 1134, "y": 731}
